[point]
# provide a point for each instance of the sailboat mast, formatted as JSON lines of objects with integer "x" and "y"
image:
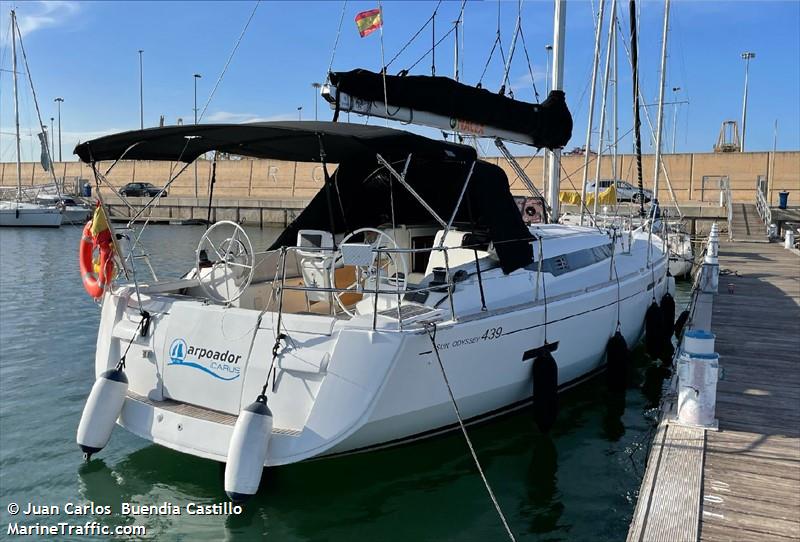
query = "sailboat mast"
{"x": 596, "y": 60}
{"x": 16, "y": 99}
{"x": 559, "y": 35}
{"x": 615, "y": 128}
{"x": 601, "y": 138}
{"x": 661, "y": 100}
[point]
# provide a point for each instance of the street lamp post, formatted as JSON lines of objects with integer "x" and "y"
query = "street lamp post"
{"x": 316, "y": 87}
{"x": 141, "y": 91}
{"x": 52, "y": 139}
{"x": 747, "y": 56}
{"x": 549, "y": 51}
{"x": 300, "y": 113}
{"x": 675, "y": 90}
{"x": 196, "y": 76}
{"x": 59, "y": 101}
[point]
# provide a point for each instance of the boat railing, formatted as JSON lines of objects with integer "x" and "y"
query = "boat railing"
{"x": 67, "y": 186}
{"x": 396, "y": 290}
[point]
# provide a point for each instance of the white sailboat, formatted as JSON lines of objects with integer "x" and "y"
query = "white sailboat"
{"x": 409, "y": 296}
{"x": 18, "y": 212}
{"x": 357, "y": 316}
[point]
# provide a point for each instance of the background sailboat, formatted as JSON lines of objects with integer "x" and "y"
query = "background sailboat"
{"x": 18, "y": 212}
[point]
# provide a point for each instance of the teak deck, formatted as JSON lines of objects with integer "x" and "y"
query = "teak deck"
{"x": 742, "y": 482}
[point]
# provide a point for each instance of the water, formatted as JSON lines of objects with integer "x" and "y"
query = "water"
{"x": 579, "y": 483}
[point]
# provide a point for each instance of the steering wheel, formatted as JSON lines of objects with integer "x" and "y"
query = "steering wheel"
{"x": 371, "y": 271}
{"x": 230, "y": 275}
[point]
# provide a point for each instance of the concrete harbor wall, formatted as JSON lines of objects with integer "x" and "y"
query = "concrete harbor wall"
{"x": 694, "y": 177}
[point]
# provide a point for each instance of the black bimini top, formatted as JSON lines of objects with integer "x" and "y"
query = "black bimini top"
{"x": 299, "y": 141}
{"x": 360, "y": 192}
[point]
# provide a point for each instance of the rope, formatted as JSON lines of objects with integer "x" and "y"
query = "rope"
{"x": 409, "y": 42}
{"x": 615, "y": 272}
{"x": 530, "y": 69}
{"x": 497, "y": 40}
{"x": 512, "y": 49}
{"x": 420, "y": 59}
{"x": 336, "y": 42}
{"x": 431, "y": 330}
{"x": 227, "y": 63}
{"x": 145, "y": 316}
{"x": 433, "y": 47}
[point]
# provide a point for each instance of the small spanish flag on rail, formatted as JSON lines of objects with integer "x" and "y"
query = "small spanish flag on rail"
{"x": 368, "y": 22}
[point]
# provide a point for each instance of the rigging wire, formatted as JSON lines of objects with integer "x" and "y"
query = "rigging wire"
{"x": 652, "y": 131}
{"x": 336, "y": 42}
{"x": 530, "y": 68}
{"x": 440, "y": 40}
{"x": 517, "y": 27}
{"x": 414, "y": 37}
{"x": 36, "y": 105}
{"x": 497, "y": 41}
{"x": 228, "y": 62}
{"x": 636, "y": 121}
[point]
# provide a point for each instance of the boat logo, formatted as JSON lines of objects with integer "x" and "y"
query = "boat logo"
{"x": 219, "y": 364}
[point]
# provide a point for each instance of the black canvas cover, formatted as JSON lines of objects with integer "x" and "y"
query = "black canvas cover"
{"x": 364, "y": 193}
{"x": 549, "y": 124}
{"x": 286, "y": 140}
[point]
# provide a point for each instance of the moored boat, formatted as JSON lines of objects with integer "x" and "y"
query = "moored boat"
{"x": 341, "y": 323}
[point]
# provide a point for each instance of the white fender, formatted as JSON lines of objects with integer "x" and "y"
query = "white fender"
{"x": 102, "y": 410}
{"x": 247, "y": 451}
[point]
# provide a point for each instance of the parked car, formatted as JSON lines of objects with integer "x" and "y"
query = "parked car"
{"x": 625, "y": 190}
{"x": 145, "y": 190}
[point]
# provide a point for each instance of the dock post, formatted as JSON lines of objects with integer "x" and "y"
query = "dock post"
{"x": 788, "y": 241}
{"x": 709, "y": 278}
{"x": 698, "y": 373}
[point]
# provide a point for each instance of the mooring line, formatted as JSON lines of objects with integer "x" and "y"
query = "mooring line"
{"x": 431, "y": 329}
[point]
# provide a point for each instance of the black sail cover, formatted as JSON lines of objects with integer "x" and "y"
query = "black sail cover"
{"x": 549, "y": 123}
{"x": 364, "y": 192}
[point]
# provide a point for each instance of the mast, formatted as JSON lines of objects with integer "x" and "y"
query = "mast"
{"x": 637, "y": 124}
{"x": 559, "y": 35}
{"x": 661, "y": 100}
{"x": 615, "y": 121}
{"x": 606, "y": 76}
{"x": 16, "y": 99}
{"x": 595, "y": 62}
{"x": 456, "y": 134}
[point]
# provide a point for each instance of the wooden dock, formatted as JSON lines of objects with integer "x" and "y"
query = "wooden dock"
{"x": 741, "y": 483}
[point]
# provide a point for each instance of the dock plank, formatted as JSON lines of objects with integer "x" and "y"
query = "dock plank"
{"x": 741, "y": 483}
{"x": 751, "y": 472}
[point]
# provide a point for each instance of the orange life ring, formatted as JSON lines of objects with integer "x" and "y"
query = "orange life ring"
{"x": 95, "y": 282}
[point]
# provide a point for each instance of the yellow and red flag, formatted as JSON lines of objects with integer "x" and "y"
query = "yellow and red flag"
{"x": 368, "y": 22}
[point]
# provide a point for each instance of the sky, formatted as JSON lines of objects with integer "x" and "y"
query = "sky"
{"x": 87, "y": 54}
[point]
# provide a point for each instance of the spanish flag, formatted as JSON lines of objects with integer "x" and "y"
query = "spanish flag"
{"x": 368, "y": 22}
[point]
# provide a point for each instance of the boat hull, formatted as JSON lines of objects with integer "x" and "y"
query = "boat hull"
{"x": 347, "y": 390}
{"x": 30, "y": 217}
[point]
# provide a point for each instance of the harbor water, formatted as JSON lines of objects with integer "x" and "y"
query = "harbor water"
{"x": 577, "y": 483}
